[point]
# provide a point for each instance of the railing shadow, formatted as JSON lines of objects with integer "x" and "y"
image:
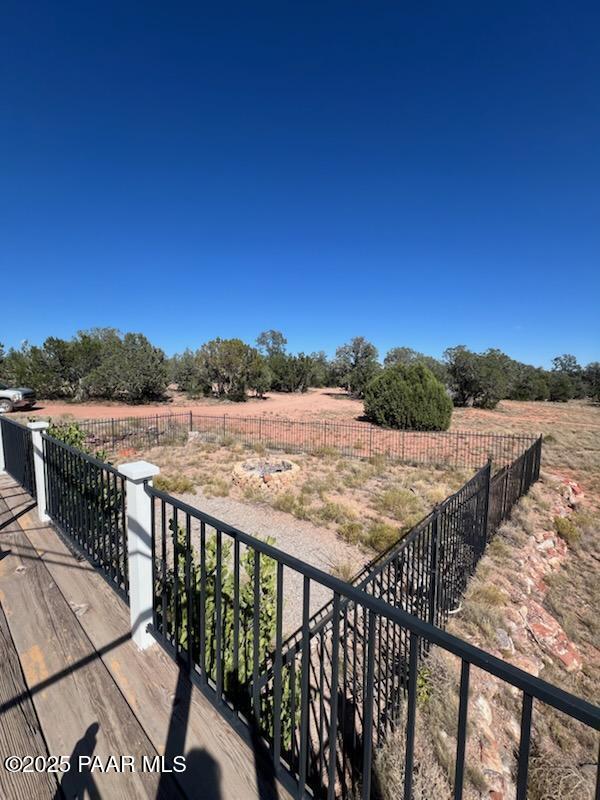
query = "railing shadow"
{"x": 15, "y": 515}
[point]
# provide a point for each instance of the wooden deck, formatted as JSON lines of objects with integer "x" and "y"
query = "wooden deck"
{"x": 76, "y": 685}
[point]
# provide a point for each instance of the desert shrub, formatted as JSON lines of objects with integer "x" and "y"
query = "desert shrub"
{"x": 177, "y": 484}
{"x": 398, "y": 503}
{"x": 567, "y": 530}
{"x": 334, "y": 512}
{"x": 285, "y": 502}
{"x": 410, "y": 398}
{"x": 351, "y": 531}
{"x": 216, "y": 487}
{"x": 344, "y": 570}
{"x": 68, "y": 432}
{"x": 380, "y": 536}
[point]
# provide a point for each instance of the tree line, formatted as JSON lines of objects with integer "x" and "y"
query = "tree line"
{"x": 105, "y": 364}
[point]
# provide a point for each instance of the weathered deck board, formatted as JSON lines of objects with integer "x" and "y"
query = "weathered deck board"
{"x": 20, "y": 732}
{"x": 220, "y": 764}
{"x": 80, "y": 708}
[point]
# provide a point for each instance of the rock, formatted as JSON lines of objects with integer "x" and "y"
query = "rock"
{"x": 552, "y": 639}
{"x": 484, "y": 709}
{"x": 547, "y": 544}
{"x": 505, "y": 643}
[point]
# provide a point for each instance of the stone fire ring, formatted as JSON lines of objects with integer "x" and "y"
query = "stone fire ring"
{"x": 270, "y": 475}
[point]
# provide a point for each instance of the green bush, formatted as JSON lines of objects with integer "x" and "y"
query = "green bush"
{"x": 567, "y": 530}
{"x": 408, "y": 397}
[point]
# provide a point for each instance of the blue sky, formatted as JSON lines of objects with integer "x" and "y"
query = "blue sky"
{"x": 424, "y": 175}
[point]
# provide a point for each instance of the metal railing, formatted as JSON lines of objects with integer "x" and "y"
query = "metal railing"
{"x": 18, "y": 453}
{"x": 86, "y": 500}
{"x": 359, "y": 440}
{"x": 219, "y": 608}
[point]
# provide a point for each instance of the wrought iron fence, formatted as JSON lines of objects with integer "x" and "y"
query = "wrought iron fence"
{"x": 18, "y": 453}
{"x": 86, "y": 500}
{"x": 352, "y": 439}
{"x": 323, "y": 707}
{"x": 137, "y": 432}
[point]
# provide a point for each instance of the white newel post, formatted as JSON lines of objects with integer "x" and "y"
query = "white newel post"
{"x": 36, "y": 429}
{"x": 139, "y": 547}
{"x": 2, "y": 461}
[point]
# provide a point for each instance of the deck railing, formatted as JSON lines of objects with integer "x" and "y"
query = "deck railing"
{"x": 85, "y": 498}
{"x": 18, "y": 453}
{"x": 219, "y": 609}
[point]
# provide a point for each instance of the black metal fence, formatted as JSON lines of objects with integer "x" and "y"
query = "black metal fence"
{"x": 86, "y": 499}
{"x": 18, "y": 453}
{"x": 353, "y": 439}
{"x": 322, "y": 707}
{"x": 137, "y": 432}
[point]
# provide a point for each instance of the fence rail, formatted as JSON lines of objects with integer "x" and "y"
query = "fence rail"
{"x": 323, "y": 708}
{"x": 352, "y": 439}
{"x": 86, "y": 499}
{"x": 18, "y": 453}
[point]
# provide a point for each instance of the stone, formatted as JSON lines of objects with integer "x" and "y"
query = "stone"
{"x": 505, "y": 643}
{"x": 484, "y": 709}
{"x": 547, "y": 544}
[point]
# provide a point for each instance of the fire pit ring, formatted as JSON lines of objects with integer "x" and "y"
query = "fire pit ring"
{"x": 265, "y": 474}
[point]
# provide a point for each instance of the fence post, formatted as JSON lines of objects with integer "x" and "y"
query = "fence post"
{"x": 486, "y": 521}
{"x": 139, "y": 549}
{"x": 39, "y": 471}
{"x": 2, "y": 461}
{"x": 191, "y": 422}
{"x": 433, "y": 568}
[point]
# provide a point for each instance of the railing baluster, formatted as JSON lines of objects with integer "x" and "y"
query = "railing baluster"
{"x": 304, "y": 697}
{"x": 524, "y": 746}
{"x": 219, "y": 617}
{"x": 368, "y": 707}
{"x": 333, "y": 703}
{"x": 462, "y": 731}
{"x": 256, "y": 641}
{"x": 411, "y": 715}
{"x": 277, "y": 681}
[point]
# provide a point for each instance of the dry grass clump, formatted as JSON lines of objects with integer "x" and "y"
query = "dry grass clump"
{"x": 174, "y": 484}
{"x": 380, "y": 536}
{"x": 552, "y": 779}
{"x": 567, "y": 530}
{"x": 401, "y": 504}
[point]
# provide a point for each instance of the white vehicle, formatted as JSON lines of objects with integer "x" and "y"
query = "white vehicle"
{"x": 13, "y": 399}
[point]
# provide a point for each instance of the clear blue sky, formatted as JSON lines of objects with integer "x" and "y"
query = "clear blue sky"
{"x": 423, "y": 174}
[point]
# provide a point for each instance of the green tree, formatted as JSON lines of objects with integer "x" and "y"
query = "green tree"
{"x": 132, "y": 370}
{"x": 357, "y": 364}
{"x": 561, "y": 387}
{"x": 568, "y": 365}
{"x": 259, "y": 375}
{"x": 406, "y": 356}
{"x": 408, "y": 397}
{"x": 592, "y": 378}
{"x": 271, "y": 342}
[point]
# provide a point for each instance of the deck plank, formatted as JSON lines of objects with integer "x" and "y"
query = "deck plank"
{"x": 20, "y": 730}
{"x": 176, "y": 716}
{"x": 80, "y": 708}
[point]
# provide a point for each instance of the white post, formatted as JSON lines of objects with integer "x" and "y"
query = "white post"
{"x": 2, "y": 461}
{"x": 36, "y": 429}
{"x": 139, "y": 547}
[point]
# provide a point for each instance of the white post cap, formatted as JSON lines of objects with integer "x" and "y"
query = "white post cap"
{"x": 137, "y": 471}
{"x": 38, "y": 425}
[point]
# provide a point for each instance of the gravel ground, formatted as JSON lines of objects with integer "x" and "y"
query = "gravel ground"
{"x": 320, "y": 547}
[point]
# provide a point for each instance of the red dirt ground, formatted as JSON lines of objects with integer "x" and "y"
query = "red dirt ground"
{"x": 334, "y": 405}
